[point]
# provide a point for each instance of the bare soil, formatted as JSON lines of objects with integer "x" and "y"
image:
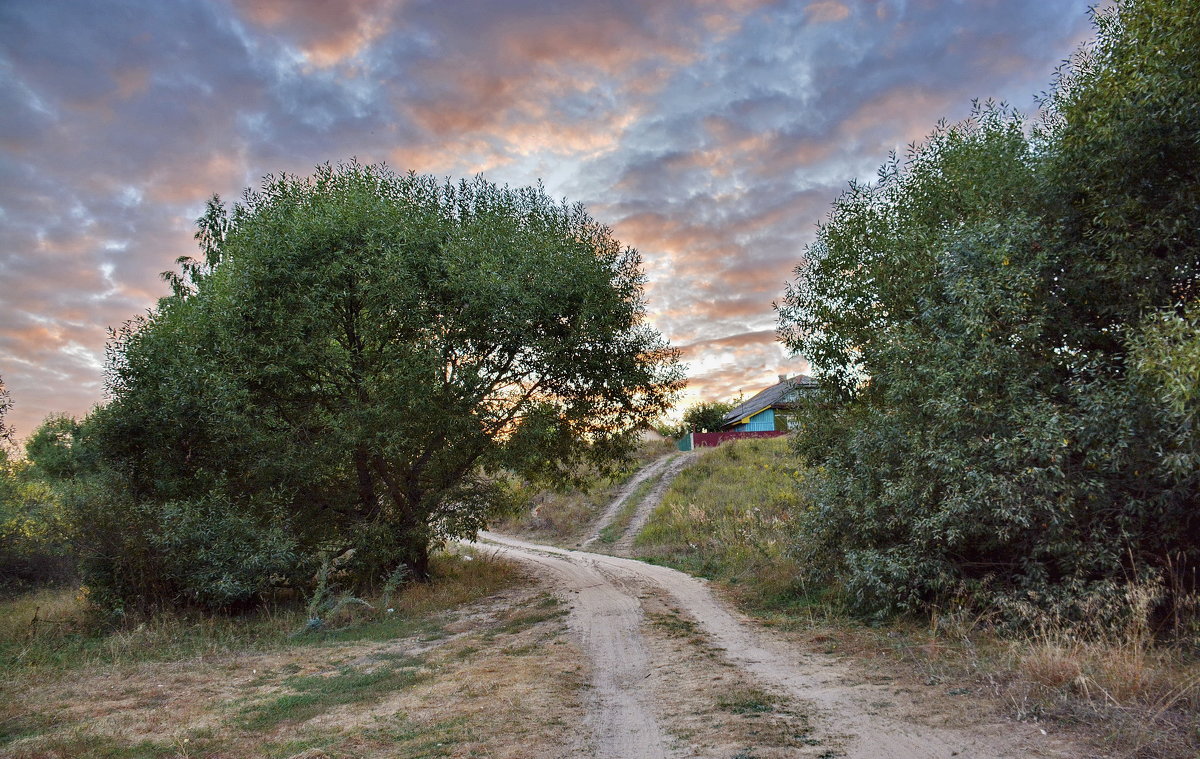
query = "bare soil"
{"x": 650, "y": 698}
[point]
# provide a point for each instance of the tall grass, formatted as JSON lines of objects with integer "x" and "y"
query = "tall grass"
{"x": 729, "y": 516}
{"x": 52, "y": 631}
{"x": 566, "y": 517}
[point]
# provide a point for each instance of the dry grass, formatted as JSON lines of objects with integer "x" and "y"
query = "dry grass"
{"x": 63, "y": 637}
{"x": 727, "y": 517}
{"x": 220, "y": 686}
{"x": 565, "y": 518}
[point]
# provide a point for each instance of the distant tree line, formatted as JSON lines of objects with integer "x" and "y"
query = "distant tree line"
{"x": 1009, "y": 336}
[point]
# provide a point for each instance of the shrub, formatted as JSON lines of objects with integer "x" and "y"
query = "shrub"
{"x": 1001, "y": 415}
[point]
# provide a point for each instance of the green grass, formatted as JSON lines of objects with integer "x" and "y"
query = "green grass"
{"x": 99, "y": 746}
{"x": 317, "y": 694}
{"x": 675, "y": 625}
{"x": 613, "y": 531}
{"x": 728, "y": 517}
{"x": 748, "y": 701}
{"x": 17, "y": 726}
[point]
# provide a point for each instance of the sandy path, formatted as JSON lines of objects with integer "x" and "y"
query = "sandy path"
{"x": 606, "y": 615}
{"x": 623, "y": 495}
{"x": 624, "y": 544}
{"x": 606, "y": 619}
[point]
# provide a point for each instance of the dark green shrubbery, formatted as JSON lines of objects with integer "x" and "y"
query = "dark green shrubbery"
{"x": 1006, "y": 325}
{"x": 349, "y": 372}
{"x": 34, "y": 528}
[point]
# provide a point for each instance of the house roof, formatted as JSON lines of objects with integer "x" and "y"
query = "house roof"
{"x": 775, "y": 395}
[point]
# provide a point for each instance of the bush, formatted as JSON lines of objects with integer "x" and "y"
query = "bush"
{"x": 1001, "y": 417}
{"x": 34, "y": 546}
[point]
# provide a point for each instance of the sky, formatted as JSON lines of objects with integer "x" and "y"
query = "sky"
{"x": 711, "y": 135}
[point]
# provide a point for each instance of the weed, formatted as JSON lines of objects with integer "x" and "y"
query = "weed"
{"x": 675, "y": 625}
{"x": 318, "y": 694}
{"x": 747, "y": 701}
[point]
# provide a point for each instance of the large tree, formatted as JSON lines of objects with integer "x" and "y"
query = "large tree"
{"x": 360, "y": 357}
{"x": 1002, "y": 324}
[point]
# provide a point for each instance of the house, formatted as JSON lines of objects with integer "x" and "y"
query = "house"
{"x": 758, "y": 413}
{"x": 756, "y": 417}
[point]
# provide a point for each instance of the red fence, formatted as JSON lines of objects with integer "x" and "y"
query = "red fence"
{"x": 710, "y": 439}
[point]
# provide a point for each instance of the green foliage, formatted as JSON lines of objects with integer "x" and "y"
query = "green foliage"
{"x": 6, "y": 431}
{"x": 34, "y": 530}
{"x": 999, "y": 321}
{"x": 55, "y": 450}
{"x": 351, "y": 369}
{"x": 34, "y": 526}
{"x": 706, "y": 415}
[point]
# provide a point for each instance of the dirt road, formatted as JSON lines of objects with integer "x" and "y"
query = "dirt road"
{"x": 675, "y": 464}
{"x": 629, "y": 718}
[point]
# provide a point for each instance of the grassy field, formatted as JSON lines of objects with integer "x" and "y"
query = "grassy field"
{"x": 727, "y": 517}
{"x": 453, "y": 665}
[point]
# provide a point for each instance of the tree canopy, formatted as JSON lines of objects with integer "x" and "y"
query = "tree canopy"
{"x": 354, "y": 368}
{"x": 706, "y": 416}
{"x": 1002, "y": 327}
{"x": 6, "y": 431}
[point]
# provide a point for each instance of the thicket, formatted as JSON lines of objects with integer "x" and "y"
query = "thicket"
{"x": 1007, "y": 328}
{"x": 34, "y": 529}
{"x": 353, "y": 374}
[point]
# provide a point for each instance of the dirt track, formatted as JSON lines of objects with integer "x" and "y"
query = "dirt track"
{"x": 628, "y": 716}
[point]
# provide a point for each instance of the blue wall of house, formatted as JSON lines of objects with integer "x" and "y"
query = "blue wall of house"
{"x": 760, "y": 422}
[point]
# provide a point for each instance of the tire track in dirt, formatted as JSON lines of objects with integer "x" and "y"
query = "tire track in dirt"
{"x": 606, "y": 615}
{"x": 614, "y": 507}
{"x": 607, "y": 620}
{"x": 624, "y": 544}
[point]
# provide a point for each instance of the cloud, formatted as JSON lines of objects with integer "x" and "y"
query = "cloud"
{"x": 826, "y": 12}
{"x": 710, "y": 134}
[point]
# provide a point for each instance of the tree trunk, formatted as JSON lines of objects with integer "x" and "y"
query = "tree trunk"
{"x": 366, "y": 484}
{"x": 418, "y": 562}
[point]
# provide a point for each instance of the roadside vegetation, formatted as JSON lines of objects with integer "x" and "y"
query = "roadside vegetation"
{"x": 731, "y": 516}
{"x": 564, "y": 516}
{"x": 430, "y": 672}
{"x": 1006, "y": 326}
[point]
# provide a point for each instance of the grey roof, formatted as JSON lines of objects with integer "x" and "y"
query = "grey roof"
{"x": 779, "y": 394}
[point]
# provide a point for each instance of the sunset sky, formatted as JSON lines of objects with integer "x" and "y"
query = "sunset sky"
{"x": 712, "y": 136}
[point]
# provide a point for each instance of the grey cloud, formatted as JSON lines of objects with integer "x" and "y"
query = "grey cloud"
{"x": 712, "y": 138}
